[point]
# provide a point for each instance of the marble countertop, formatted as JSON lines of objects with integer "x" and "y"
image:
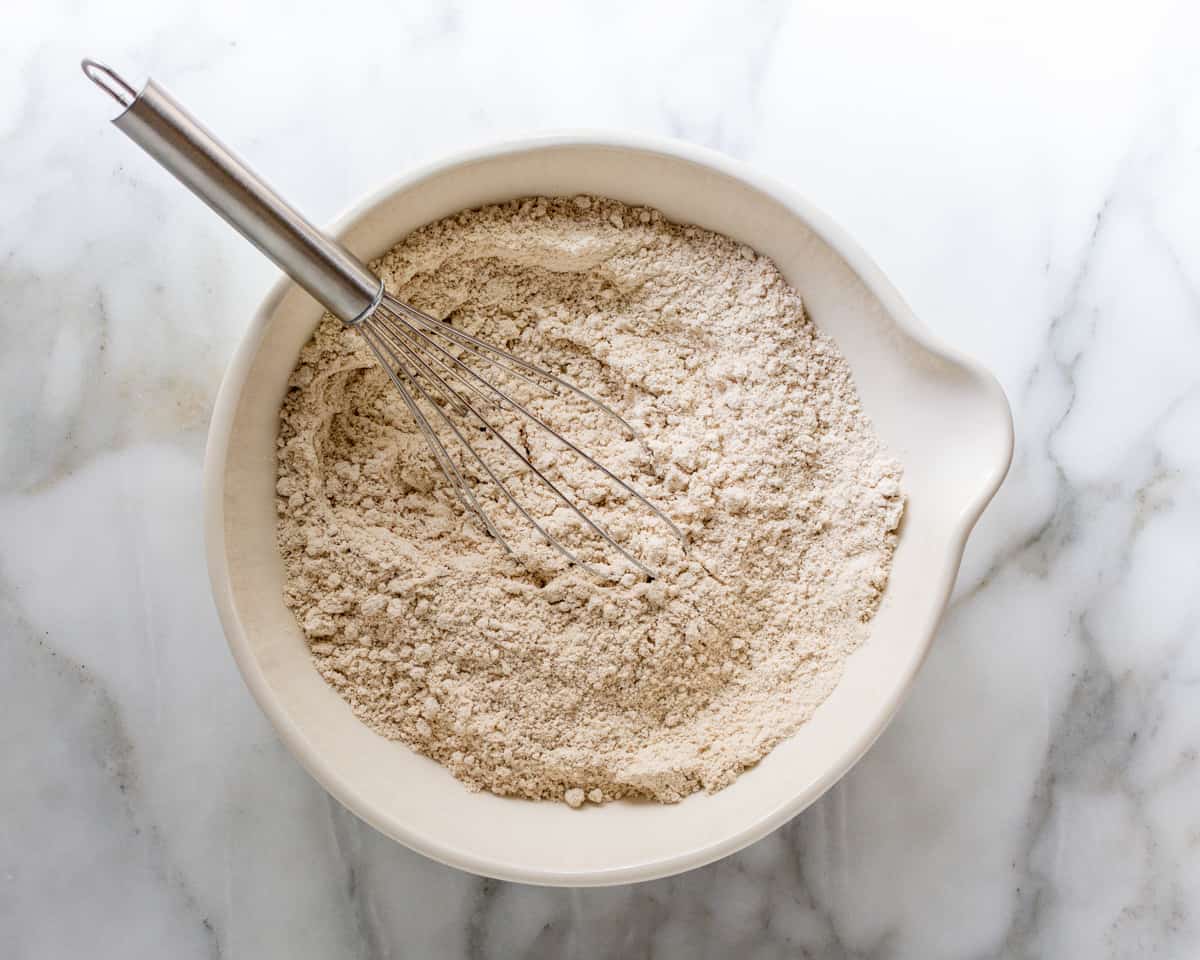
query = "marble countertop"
{"x": 1030, "y": 179}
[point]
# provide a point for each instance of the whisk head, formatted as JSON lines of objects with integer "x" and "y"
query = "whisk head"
{"x": 464, "y": 394}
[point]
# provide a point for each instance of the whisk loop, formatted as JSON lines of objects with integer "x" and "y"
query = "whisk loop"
{"x": 427, "y": 362}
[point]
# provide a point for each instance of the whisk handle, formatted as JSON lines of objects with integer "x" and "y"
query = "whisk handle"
{"x": 157, "y": 123}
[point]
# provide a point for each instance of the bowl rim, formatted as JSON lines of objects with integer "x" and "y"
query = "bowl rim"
{"x": 941, "y": 585}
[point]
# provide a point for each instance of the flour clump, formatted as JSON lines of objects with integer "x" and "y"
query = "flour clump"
{"x": 525, "y": 675}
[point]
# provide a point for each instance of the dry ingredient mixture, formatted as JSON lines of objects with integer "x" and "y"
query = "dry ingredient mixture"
{"x": 526, "y": 676}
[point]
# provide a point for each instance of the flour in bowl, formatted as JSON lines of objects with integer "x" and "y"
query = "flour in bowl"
{"x": 527, "y": 676}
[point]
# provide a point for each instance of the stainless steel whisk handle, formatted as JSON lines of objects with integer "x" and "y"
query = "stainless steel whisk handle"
{"x": 157, "y": 123}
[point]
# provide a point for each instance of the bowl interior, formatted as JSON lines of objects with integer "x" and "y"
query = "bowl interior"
{"x": 944, "y": 419}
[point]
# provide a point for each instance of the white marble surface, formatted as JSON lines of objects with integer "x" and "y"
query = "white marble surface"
{"x": 1029, "y": 175}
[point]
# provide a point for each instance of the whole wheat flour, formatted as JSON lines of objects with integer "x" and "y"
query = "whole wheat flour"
{"x": 524, "y": 675}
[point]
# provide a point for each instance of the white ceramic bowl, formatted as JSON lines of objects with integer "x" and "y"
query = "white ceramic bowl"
{"x": 944, "y": 417}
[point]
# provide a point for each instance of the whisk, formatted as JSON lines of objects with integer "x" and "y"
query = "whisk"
{"x": 434, "y": 366}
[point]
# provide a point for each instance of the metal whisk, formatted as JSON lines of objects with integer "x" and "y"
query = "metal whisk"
{"x": 434, "y": 366}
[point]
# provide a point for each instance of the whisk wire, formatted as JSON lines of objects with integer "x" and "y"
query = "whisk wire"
{"x": 451, "y": 394}
{"x": 521, "y": 410}
{"x": 445, "y": 462}
{"x": 400, "y": 331}
{"x": 450, "y": 332}
{"x": 566, "y": 552}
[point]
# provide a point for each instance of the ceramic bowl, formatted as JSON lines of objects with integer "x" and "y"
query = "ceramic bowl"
{"x": 944, "y": 417}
